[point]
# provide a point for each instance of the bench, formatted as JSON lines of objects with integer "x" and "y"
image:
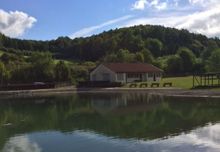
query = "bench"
{"x": 143, "y": 85}
{"x": 133, "y": 85}
{"x": 168, "y": 84}
{"x": 155, "y": 85}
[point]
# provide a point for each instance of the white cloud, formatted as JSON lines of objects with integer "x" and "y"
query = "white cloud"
{"x": 139, "y": 5}
{"x": 142, "y": 4}
{"x": 203, "y": 3}
{"x": 205, "y": 22}
{"x": 14, "y": 24}
{"x": 193, "y": 16}
{"x": 89, "y": 30}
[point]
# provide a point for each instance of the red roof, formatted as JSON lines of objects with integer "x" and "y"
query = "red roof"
{"x": 132, "y": 67}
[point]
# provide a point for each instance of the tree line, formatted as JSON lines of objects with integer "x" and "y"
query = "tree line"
{"x": 40, "y": 67}
{"x": 175, "y": 51}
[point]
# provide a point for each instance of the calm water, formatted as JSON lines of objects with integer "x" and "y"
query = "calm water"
{"x": 109, "y": 122}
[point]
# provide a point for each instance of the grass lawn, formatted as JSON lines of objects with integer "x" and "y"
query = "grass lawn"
{"x": 178, "y": 82}
{"x": 1, "y": 52}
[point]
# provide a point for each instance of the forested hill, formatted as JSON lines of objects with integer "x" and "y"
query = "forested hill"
{"x": 160, "y": 41}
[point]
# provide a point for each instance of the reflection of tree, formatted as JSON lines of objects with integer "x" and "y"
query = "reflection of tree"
{"x": 125, "y": 103}
{"x": 122, "y": 103}
{"x": 129, "y": 116}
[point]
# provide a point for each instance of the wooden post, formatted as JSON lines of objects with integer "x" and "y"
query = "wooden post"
{"x": 193, "y": 80}
{"x": 212, "y": 80}
{"x": 200, "y": 80}
{"x": 208, "y": 80}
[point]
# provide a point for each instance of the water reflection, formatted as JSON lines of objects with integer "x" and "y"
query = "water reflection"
{"x": 202, "y": 139}
{"x": 21, "y": 144}
{"x": 109, "y": 122}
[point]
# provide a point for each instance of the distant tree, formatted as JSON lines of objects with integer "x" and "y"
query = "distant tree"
{"x": 187, "y": 59}
{"x": 214, "y": 61}
{"x": 199, "y": 66}
{"x": 139, "y": 57}
{"x": 197, "y": 47}
{"x": 125, "y": 56}
{"x": 42, "y": 67}
{"x": 110, "y": 58}
{"x": 155, "y": 46}
{"x": 3, "y": 74}
{"x": 148, "y": 57}
{"x": 62, "y": 72}
{"x": 9, "y": 57}
{"x": 174, "y": 65}
{"x": 211, "y": 46}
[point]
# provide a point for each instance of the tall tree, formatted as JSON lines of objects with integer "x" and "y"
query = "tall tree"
{"x": 187, "y": 58}
{"x": 148, "y": 57}
{"x": 174, "y": 65}
{"x": 3, "y": 73}
{"x": 62, "y": 72}
{"x": 42, "y": 66}
{"x": 155, "y": 46}
{"x": 214, "y": 61}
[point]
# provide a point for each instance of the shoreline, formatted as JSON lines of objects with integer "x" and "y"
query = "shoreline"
{"x": 168, "y": 92}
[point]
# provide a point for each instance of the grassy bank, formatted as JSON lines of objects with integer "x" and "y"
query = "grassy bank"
{"x": 178, "y": 82}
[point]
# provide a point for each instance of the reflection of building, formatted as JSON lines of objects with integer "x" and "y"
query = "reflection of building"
{"x": 126, "y": 72}
{"x": 125, "y": 103}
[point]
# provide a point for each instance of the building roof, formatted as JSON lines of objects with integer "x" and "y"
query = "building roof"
{"x": 132, "y": 67}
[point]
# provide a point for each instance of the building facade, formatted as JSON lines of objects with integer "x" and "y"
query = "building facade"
{"x": 126, "y": 72}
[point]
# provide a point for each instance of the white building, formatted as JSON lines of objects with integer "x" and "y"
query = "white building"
{"x": 126, "y": 72}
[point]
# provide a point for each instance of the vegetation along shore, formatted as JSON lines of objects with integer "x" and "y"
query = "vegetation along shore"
{"x": 177, "y": 52}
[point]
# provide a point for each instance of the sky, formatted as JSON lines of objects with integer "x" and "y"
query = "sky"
{"x": 49, "y": 19}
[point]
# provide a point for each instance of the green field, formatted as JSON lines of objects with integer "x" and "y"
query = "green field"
{"x": 178, "y": 82}
{"x": 1, "y": 52}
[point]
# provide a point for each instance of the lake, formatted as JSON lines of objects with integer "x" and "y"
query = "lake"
{"x": 109, "y": 122}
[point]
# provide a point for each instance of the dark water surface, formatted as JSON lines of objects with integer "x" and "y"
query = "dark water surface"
{"x": 134, "y": 122}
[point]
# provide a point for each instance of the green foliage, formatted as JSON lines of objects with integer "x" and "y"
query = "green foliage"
{"x": 187, "y": 59}
{"x": 139, "y": 57}
{"x": 214, "y": 61}
{"x": 123, "y": 55}
{"x": 80, "y": 73}
{"x": 42, "y": 68}
{"x": 62, "y": 72}
{"x": 159, "y": 40}
{"x": 199, "y": 66}
{"x": 174, "y": 65}
{"x": 3, "y": 73}
{"x": 155, "y": 46}
{"x": 148, "y": 44}
{"x": 148, "y": 57}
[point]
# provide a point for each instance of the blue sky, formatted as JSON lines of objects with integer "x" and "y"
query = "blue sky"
{"x": 49, "y": 19}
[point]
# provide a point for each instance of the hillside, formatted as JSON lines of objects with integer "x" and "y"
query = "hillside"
{"x": 159, "y": 40}
{"x": 177, "y": 52}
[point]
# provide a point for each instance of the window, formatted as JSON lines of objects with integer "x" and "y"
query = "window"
{"x": 150, "y": 75}
{"x": 133, "y": 75}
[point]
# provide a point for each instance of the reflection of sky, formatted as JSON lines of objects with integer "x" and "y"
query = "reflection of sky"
{"x": 21, "y": 144}
{"x": 202, "y": 140}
